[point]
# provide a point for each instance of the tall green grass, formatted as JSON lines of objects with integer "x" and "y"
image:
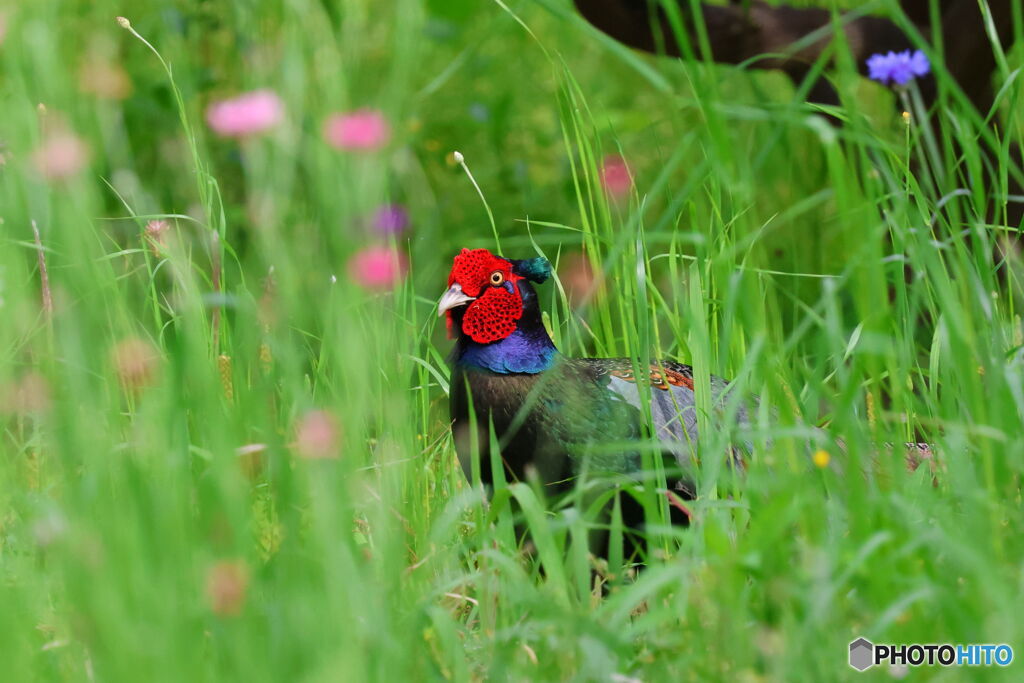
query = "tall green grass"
{"x": 853, "y": 290}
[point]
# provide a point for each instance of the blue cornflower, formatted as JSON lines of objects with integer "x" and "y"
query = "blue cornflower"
{"x": 898, "y": 67}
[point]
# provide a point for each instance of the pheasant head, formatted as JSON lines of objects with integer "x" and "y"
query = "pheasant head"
{"x": 492, "y": 312}
{"x": 487, "y": 294}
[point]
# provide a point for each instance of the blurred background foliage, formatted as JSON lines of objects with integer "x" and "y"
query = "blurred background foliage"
{"x": 225, "y": 448}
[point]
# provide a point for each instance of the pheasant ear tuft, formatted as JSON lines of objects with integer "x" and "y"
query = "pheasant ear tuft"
{"x": 533, "y": 269}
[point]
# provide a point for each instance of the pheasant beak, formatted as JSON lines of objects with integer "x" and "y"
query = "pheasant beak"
{"x": 453, "y": 298}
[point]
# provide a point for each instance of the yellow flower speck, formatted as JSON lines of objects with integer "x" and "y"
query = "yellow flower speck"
{"x": 821, "y": 458}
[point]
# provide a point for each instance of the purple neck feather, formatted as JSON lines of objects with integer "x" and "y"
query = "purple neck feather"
{"x": 523, "y": 351}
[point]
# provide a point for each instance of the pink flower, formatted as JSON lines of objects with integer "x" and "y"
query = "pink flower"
{"x": 157, "y": 232}
{"x": 227, "y": 583}
{"x": 362, "y": 130}
{"x": 248, "y": 114}
{"x": 60, "y": 156}
{"x": 377, "y": 268}
{"x": 615, "y": 177}
{"x": 317, "y": 436}
{"x": 579, "y": 279}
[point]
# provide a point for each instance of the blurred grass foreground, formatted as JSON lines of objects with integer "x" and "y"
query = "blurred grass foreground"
{"x": 225, "y": 442}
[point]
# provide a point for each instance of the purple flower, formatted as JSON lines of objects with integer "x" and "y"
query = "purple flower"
{"x": 898, "y": 67}
{"x": 390, "y": 219}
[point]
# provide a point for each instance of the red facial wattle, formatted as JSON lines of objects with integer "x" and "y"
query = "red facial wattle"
{"x": 497, "y": 308}
{"x": 493, "y": 316}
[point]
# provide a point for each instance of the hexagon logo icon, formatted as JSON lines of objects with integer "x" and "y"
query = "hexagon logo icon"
{"x": 861, "y": 654}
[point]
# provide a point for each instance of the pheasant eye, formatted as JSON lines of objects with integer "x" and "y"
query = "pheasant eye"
{"x": 497, "y": 278}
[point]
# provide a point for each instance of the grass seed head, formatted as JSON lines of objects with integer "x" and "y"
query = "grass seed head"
{"x": 135, "y": 362}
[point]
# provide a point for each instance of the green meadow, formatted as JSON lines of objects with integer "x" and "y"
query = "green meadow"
{"x": 225, "y": 451}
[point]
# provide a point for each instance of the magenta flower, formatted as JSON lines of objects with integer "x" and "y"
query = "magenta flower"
{"x": 390, "y": 219}
{"x": 615, "y": 177}
{"x": 362, "y": 130}
{"x": 898, "y": 67}
{"x": 377, "y": 268}
{"x": 60, "y": 156}
{"x": 246, "y": 115}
